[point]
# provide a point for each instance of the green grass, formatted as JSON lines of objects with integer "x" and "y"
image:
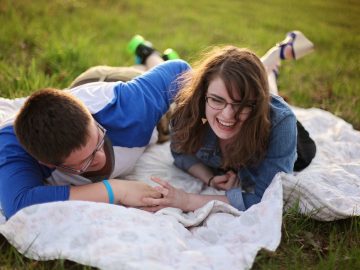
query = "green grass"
{"x": 48, "y": 43}
{"x": 310, "y": 244}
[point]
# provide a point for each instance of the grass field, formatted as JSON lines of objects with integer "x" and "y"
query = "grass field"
{"x": 48, "y": 43}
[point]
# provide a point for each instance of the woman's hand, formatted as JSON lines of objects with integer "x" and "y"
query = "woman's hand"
{"x": 171, "y": 197}
{"x": 225, "y": 181}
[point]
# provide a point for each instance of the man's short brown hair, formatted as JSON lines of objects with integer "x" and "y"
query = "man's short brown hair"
{"x": 51, "y": 124}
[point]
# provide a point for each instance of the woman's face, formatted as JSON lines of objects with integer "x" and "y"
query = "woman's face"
{"x": 224, "y": 122}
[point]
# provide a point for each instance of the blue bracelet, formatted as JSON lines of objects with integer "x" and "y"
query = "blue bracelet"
{"x": 109, "y": 191}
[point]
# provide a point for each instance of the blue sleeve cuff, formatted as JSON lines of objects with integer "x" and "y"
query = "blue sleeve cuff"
{"x": 235, "y": 198}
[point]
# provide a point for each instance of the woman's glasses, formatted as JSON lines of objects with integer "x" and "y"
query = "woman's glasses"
{"x": 220, "y": 104}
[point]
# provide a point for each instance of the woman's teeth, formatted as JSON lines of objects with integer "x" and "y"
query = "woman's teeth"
{"x": 226, "y": 124}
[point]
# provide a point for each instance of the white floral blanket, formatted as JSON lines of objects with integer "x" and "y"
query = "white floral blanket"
{"x": 215, "y": 236}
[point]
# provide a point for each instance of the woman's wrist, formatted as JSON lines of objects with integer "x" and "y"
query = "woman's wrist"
{"x": 187, "y": 202}
{"x": 209, "y": 181}
{"x": 201, "y": 172}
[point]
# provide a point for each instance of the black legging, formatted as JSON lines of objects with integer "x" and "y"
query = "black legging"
{"x": 306, "y": 148}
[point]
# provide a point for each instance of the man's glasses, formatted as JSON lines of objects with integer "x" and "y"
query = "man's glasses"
{"x": 220, "y": 104}
{"x": 87, "y": 162}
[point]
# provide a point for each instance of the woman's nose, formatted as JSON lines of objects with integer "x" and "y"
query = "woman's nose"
{"x": 228, "y": 111}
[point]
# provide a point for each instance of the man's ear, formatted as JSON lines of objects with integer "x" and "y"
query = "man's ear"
{"x": 47, "y": 164}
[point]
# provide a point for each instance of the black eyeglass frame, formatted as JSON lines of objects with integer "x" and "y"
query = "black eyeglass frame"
{"x": 233, "y": 105}
{"x": 87, "y": 162}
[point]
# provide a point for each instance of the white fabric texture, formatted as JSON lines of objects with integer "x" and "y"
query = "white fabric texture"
{"x": 216, "y": 236}
{"x": 329, "y": 188}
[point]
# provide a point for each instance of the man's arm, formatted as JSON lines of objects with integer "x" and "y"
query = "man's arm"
{"x": 22, "y": 183}
{"x": 126, "y": 192}
{"x": 137, "y": 105}
{"x": 26, "y": 188}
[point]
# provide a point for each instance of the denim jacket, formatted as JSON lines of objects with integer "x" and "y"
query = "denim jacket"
{"x": 280, "y": 157}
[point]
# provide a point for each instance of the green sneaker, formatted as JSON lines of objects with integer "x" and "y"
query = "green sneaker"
{"x": 141, "y": 48}
{"x": 134, "y": 43}
{"x": 170, "y": 54}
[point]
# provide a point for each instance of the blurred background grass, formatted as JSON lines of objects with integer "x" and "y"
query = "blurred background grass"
{"x": 48, "y": 43}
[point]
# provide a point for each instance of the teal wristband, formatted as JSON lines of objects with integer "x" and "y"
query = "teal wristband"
{"x": 109, "y": 191}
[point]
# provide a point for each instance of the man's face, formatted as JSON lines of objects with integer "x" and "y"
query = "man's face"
{"x": 89, "y": 158}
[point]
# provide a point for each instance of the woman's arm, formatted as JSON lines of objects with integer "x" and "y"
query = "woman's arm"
{"x": 201, "y": 172}
{"x": 280, "y": 157}
{"x": 196, "y": 168}
{"x": 192, "y": 165}
{"x": 223, "y": 182}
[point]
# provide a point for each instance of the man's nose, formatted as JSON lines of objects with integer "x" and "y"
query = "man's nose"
{"x": 98, "y": 156}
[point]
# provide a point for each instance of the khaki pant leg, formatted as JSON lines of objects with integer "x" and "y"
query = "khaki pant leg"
{"x": 106, "y": 74}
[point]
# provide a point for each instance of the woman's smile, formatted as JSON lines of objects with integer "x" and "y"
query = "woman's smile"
{"x": 224, "y": 121}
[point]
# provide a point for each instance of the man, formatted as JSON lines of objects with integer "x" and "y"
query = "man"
{"x": 62, "y": 144}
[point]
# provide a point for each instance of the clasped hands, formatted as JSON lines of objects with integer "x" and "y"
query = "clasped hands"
{"x": 225, "y": 181}
{"x": 141, "y": 195}
{"x": 165, "y": 195}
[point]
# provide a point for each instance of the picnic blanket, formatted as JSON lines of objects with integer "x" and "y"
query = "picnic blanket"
{"x": 216, "y": 236}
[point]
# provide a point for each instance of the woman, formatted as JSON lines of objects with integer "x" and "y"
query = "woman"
{"x": 229, "y": 131}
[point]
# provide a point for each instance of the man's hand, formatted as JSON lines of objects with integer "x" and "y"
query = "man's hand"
{"x": 226, "y": 181}
{"x": 171, "y": 197}
{"x": 126, "y": 192}
{"x": 131, "y": 193}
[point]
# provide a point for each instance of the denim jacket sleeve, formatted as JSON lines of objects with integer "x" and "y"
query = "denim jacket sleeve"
{"x": 280, "y": 157}
{"x": 184, "y": 161}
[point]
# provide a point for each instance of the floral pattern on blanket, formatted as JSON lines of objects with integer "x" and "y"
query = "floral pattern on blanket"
{"x": 114, "y": 237}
